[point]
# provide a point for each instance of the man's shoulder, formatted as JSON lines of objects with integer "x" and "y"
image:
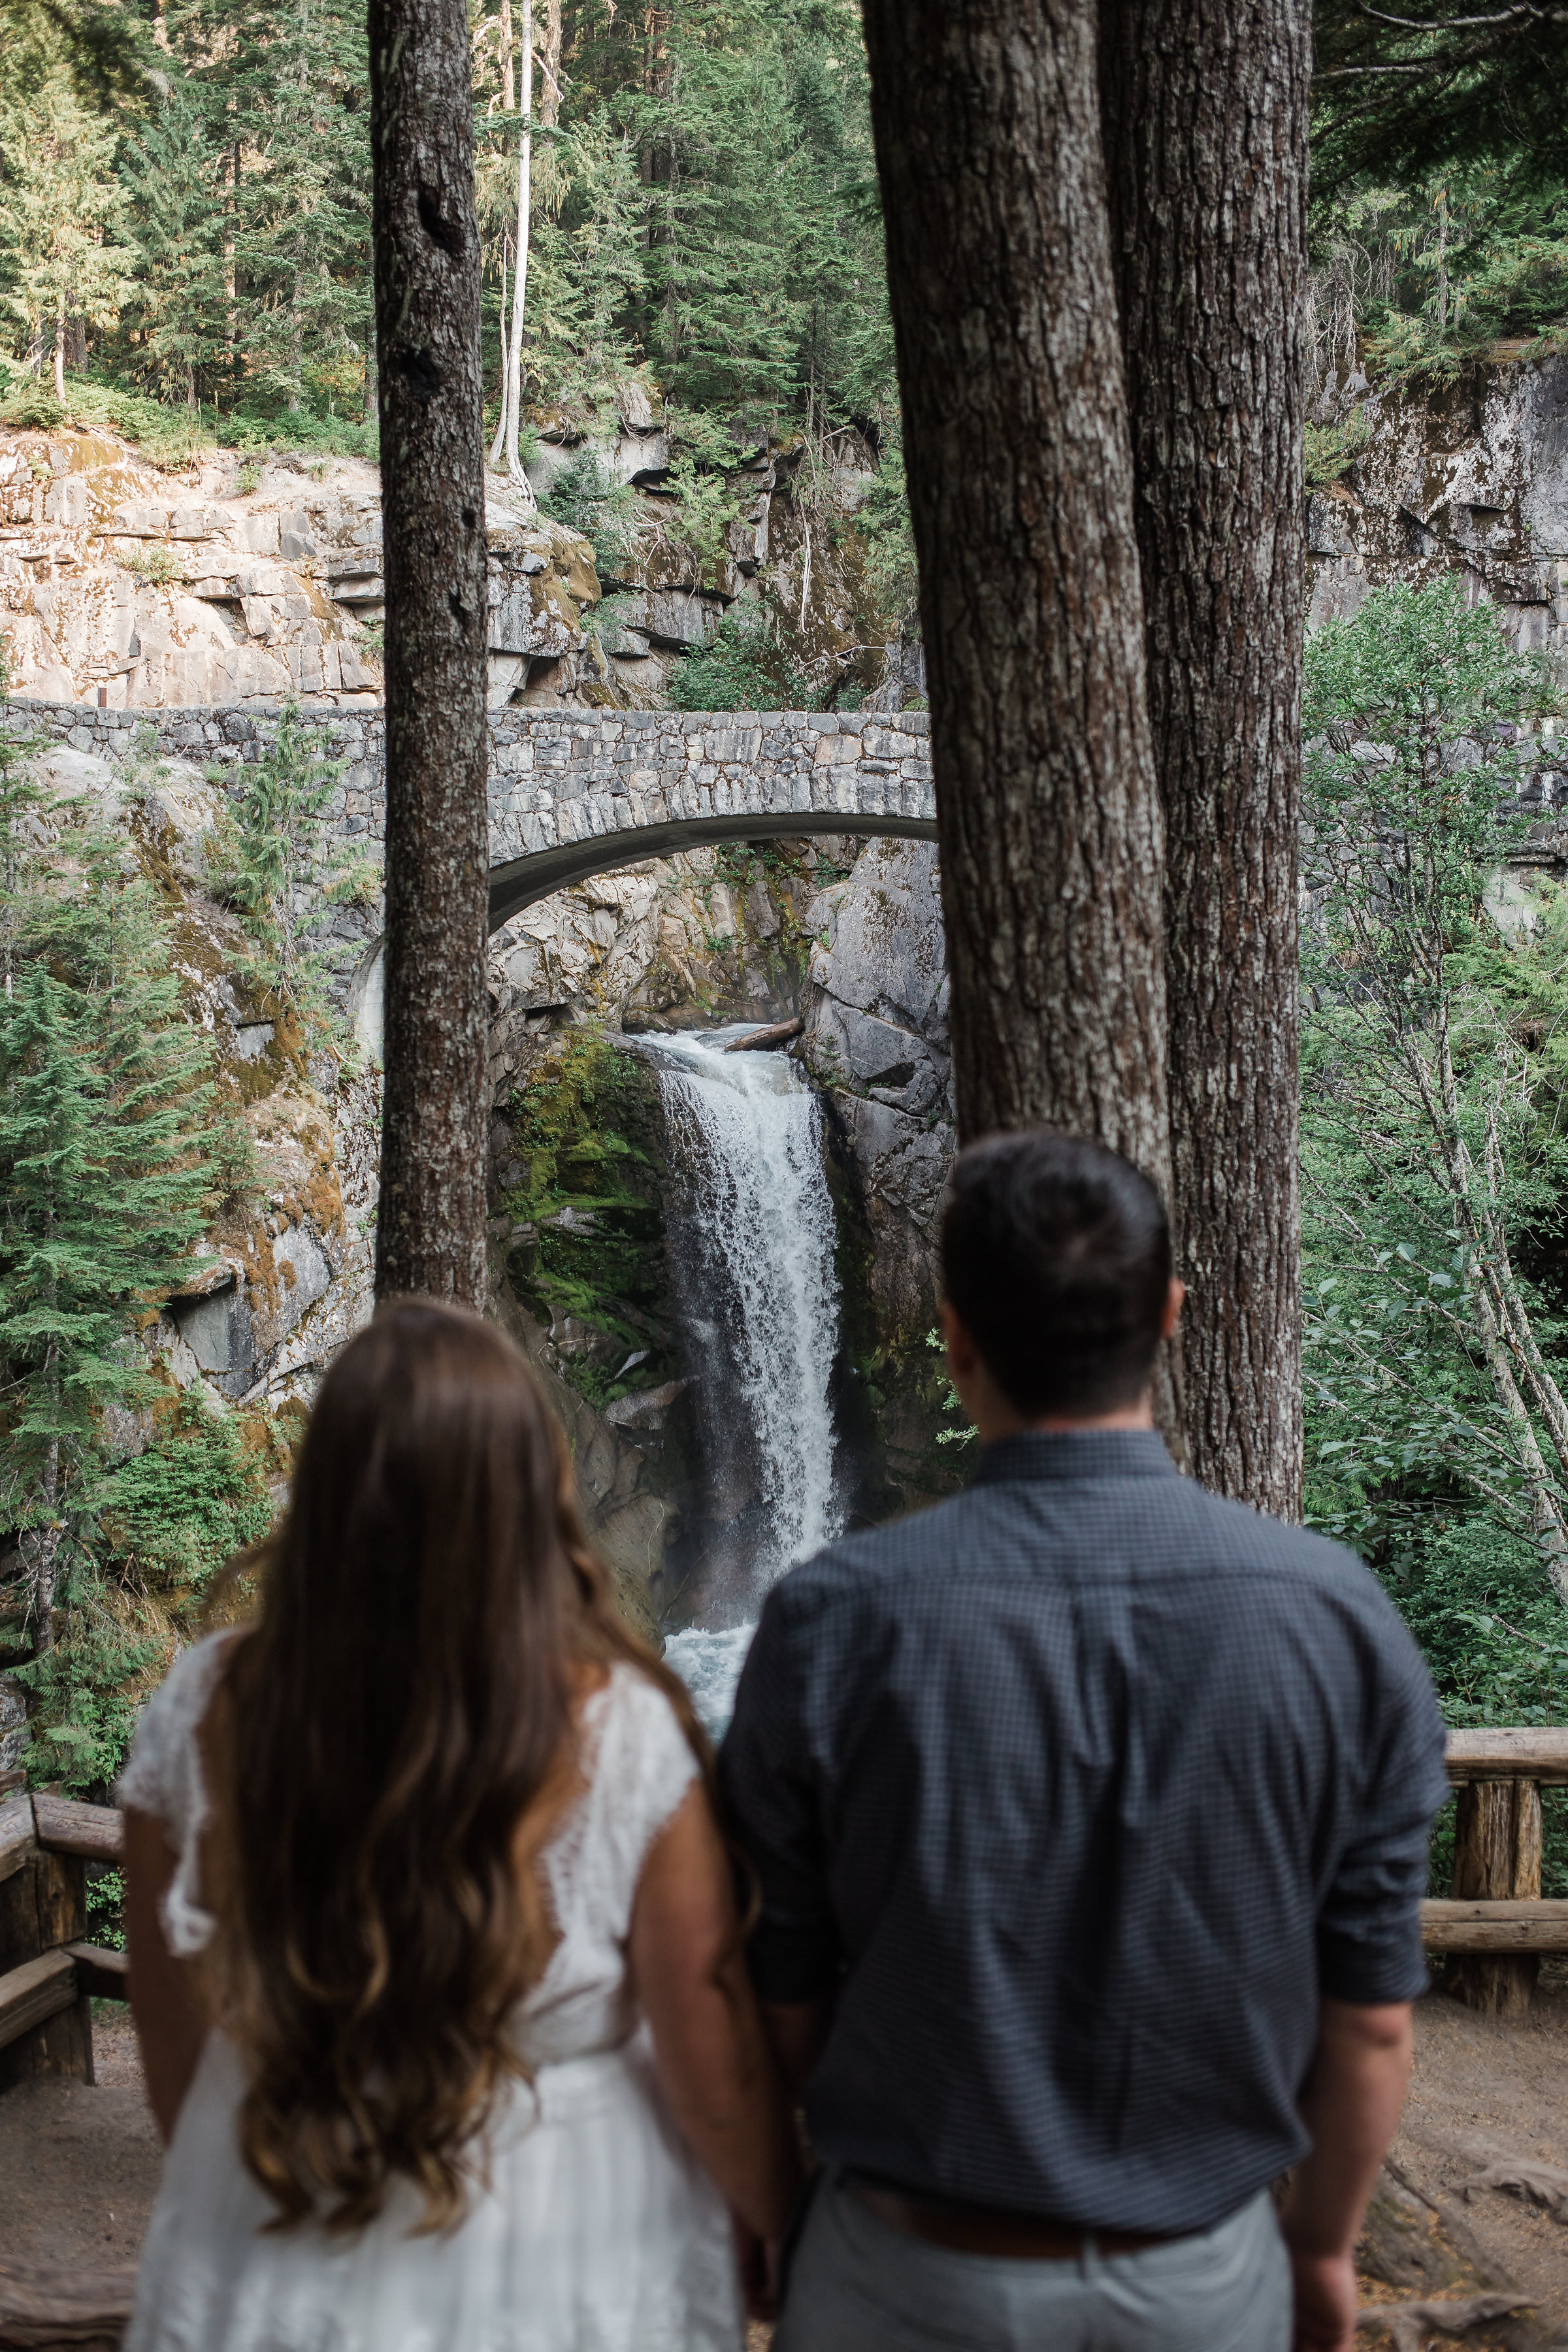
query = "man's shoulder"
{"x": 873, "y": 1559}
{"x": 1174, "y": 1523}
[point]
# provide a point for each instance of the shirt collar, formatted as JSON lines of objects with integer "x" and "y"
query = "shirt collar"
{"x": 1075, "y": 1454}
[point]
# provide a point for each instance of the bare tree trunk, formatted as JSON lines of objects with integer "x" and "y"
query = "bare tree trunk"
{"x": 60, "y": 350}
{"x": 550, "y": 67}
{"x": 988, "y": 142}
{"x": 519, "y": 266}
{"x": 1205, "y": 133}
{"x": 509, "y": 104}
{"x": 430, "y": 1233}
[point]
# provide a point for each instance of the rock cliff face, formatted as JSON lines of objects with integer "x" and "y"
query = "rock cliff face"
{"x": 1468, "y": 477}
{"x": 231, "y": 583}
{"x": 876, "y": 1039}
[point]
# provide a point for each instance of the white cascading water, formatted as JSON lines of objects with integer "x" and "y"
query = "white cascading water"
{"x": 762, "y": 1230}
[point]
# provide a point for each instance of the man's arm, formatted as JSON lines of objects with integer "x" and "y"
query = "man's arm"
{"x": 1351, "y": 2105}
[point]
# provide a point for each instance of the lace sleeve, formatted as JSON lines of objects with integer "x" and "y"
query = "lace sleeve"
{"x": 655, "y": 1768}
{"x": 164, "y": 1777}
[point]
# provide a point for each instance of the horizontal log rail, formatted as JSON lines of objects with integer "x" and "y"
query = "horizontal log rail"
{"x": 43, "y": 2305}
{"x": 34, "y": 1992}
{"x": 1500, "y": 1926}
{"x": 1488, "y": 1754}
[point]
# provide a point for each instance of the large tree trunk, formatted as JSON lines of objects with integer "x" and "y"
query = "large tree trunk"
{"x": 430, "y": 1233}
{"x": 988, "y": 142}
{"x": 1206, "y": 134}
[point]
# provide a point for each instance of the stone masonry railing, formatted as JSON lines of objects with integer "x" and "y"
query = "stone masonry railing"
{"x": 570, "y": 788}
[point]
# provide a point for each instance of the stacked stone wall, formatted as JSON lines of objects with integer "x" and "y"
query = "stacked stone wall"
{"x": 563, "y": 776}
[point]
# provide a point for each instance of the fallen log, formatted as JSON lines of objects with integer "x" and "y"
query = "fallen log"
{"x": 94, "y": 1832}
{"x": 35, "y": 1991}
{"x": 765, "y": 1041}
{"x": 1527, "y": 1925}
{"x": 42, "y": 2306}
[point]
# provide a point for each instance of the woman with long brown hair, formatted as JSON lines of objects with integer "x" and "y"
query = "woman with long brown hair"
{"x": 434, "y": 1952}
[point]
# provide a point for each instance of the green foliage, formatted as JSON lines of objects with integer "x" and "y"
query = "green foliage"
{"x": 742, "y": 668}
{"x": 1332, "y": 449}
{"x": 1433, "y": 1063}
{"x": 964, "y": 1433}
{"x": 272, "y": 856}
{"x": 158, "y": 565}
{"x": 585, "y": 498}
{"x": 593, "y": 1245}
{"x": 1440, "y": 183}
{"x": 177, "y": 1513}
{"x": 105, "y": 1909}
{"x": 60, "y": 251}
{"x": 179, "y": 302}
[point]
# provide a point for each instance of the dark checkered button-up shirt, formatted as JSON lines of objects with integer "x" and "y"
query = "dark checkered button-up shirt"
{"x": 1079, "y": 1790}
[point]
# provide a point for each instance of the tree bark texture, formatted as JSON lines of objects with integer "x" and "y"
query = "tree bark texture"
{"x": 1206, "y": 110}
{"x": 988, "y": 143}
{"x": 430, "y": 1235}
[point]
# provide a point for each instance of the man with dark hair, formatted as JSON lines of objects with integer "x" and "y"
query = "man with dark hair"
{"x": 1090, "y": 1817}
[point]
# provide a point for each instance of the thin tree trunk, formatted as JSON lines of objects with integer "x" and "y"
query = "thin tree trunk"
{"x": 988, "y": 142}
{"x": 550, "y": 67}
{"x": 1206, "y": 130}
{"x": 430, "y": 1233}
{"x": 509, "y": 106}
{"x": 60, "y": 350}
{"x": 498, "y": 443}
{"x": 519, "y": 266}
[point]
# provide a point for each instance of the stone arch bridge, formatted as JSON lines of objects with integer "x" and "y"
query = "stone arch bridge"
{"x": 578, "y": 792}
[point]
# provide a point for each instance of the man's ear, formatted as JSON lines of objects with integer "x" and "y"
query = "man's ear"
{"x": 1174, "y": 1296}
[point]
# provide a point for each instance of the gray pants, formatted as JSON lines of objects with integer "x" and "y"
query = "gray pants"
{"x": 857, "y": 2285}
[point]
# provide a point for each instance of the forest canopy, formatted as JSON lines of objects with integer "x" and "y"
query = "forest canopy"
{"x": 184, "y": 207}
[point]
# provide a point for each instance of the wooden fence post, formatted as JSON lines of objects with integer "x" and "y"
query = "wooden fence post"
{"x": 1497, "y": 1858}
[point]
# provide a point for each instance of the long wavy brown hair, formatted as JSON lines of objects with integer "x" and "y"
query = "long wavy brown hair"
{"x": 397, "y": 1742}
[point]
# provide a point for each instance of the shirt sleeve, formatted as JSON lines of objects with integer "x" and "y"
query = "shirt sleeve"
{"x": 1369, "y": 1926}
{"x": 773, "y": 1792}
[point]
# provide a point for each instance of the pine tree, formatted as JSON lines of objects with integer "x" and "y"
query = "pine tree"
{"x": 173, "y": 176}
{"x": 103, "y": 1178}
{"x": 60, "y": 217}
{"x": 285, "y": 95}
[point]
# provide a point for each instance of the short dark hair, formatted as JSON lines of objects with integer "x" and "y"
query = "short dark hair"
{"x": 1056, "y": 1259}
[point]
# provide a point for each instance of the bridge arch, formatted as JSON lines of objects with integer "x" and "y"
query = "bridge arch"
{"x": 522, "y": 881}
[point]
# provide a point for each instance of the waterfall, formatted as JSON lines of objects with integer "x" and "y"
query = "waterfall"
{"x": 752, "y": 1233}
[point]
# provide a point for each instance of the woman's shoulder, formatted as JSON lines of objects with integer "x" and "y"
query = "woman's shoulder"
{"x": 158, "y": 1774}
{"x": 646, "y": 1761}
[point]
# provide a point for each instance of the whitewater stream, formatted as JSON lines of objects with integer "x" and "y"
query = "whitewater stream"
{"x": 753, "y": 1236}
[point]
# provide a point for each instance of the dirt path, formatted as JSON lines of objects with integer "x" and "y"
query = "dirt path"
{"x": 1485, "y": 2092}
{"x": 78, "y": 2168}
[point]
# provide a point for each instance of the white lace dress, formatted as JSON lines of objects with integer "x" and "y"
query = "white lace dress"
{"x": 598, "y": 2232}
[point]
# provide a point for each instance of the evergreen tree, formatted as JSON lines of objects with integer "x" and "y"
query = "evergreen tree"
{"x": 104, "y": 1179}
{"x": 172, "y": 179}
{"x": 60, "y": 216}
{"x": 286, "y": 97}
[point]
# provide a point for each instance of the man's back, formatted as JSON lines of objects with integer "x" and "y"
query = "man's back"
{"x": 1079, "y": 1790}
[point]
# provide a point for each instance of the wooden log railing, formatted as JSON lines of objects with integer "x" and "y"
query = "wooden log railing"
{"x": 1495, "y": 1927}
{"x": 49, "y": 1973}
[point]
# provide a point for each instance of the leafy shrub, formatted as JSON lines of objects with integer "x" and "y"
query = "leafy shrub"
{"x": 742, "y": 668}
